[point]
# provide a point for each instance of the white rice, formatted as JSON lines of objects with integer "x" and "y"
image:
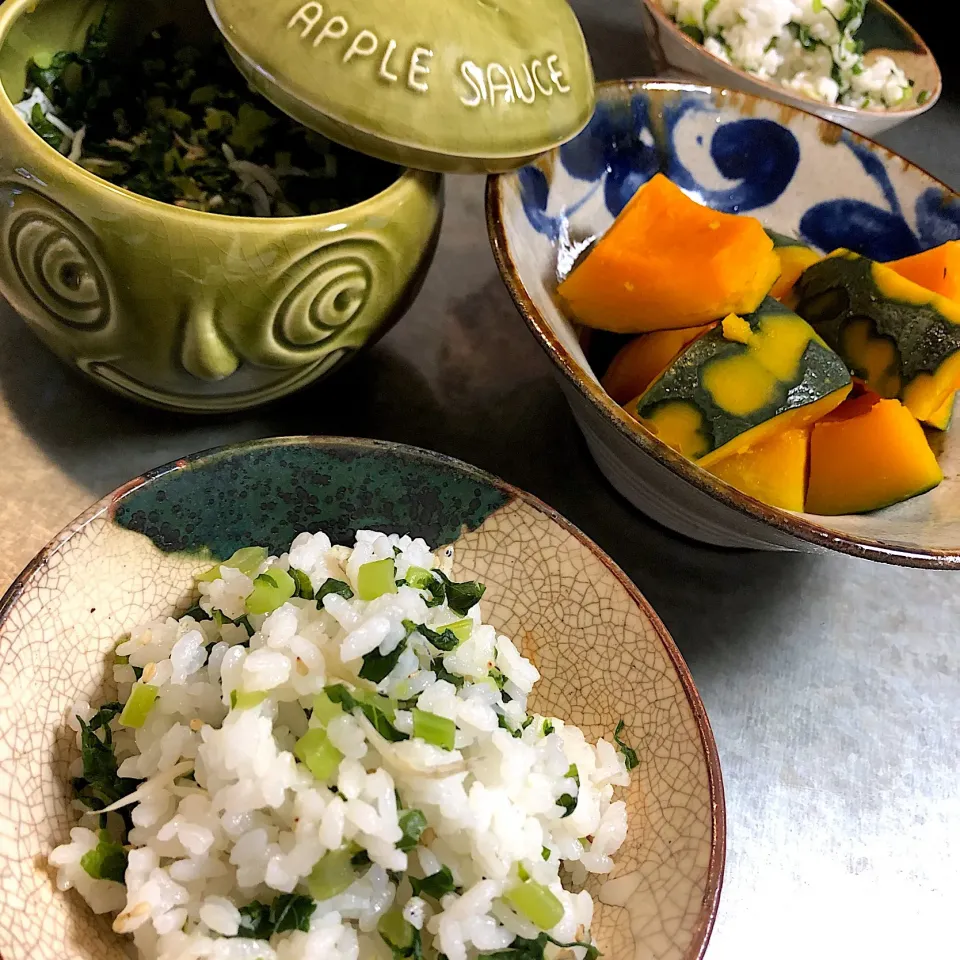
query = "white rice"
{"x": 808, "y": 46}
{"x": 253, "y": 822}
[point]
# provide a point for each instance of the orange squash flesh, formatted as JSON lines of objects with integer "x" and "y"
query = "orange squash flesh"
{"x": 643, "y": 359}
{"x": 667, "y": 262}
{"x": 869, "y": 453}
{"x": 775, "y": 472}
{"x": 938, "y": 269}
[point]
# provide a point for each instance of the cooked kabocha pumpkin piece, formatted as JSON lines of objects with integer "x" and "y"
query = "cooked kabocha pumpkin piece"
{"x": 774, "y": 472}
{"x": 794, "y": 256}
{"x": 643, "y": 359}
{"x": 900, "y": 338}
{"x": 942, "y": 418}
{"x": 742, "y": 382}
{"x": 668, "y": 262}
{"x": 937, "y": 269}
{"x": 869, "y": 453}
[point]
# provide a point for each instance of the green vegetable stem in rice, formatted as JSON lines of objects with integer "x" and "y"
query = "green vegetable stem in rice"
{"x": 331, "y": 755}
{"x": 177, "y": 123}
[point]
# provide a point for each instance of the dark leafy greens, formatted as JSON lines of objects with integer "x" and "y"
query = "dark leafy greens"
{"x": 630, "y": 758}
{"x": 290, "y": 911}
{"x": 101, "y": 785}
{"x": 177, "y": 123}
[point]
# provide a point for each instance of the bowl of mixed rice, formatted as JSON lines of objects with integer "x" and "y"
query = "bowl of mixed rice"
{"x": 315, "y": 698}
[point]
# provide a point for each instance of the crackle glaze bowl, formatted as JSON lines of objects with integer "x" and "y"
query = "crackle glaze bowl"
{"x": 602, "y": 652}
{"x": 799, "y": 175}
{"x": 180, "y": 309}
{"x": 883, "y": 33}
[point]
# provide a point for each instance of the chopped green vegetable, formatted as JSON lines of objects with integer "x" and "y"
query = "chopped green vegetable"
{"x": 445, "y": 640}
{"x": 376, "y": 578}
{"x": 523, "y": 949}
{"x": 440, "y": 731}
{"x": 437, "y": 885}
{"x": 922, "y": 97}
{"x": 336, "y": 587}
{"x": 545, "y": 853}
{"x": 247, "y": 560}
{"x": 548, "y": 727}
{"x": 630, "y": 758}
{"x": 139, "y": 704}
{"x": 412, "y": 823}
{"x": 290, "y": 911}
{"x": 461, "y": 597}
{"x": 332, "y": 875}
{"x": 692, "y": 31}
{"x": 378, "y": 710}
{"x": 568, "y": 802}
{"x": 324, "y": 709}
{"x": 106, "y": 861}
{"x": 376, "y": 666}
{"x": 535, "y": 902}
{"x": 398, "y": 935}
{"x": 315, "y": 750}
{"x": 271, "y": 591}
{"x": 302, "y": 581}
{"x": 243, "y": 700}
{"x": 100, "y": 786}
{"x": 419, "y": 578}
{"x": 44, "y": 128}
{"x": 179, "y": 124}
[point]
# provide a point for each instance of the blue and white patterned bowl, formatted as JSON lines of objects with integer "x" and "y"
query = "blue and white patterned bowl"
{"x": 800, "y": 176}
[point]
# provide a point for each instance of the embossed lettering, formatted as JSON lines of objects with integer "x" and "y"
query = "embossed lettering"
{"x": 556, "y": 75}
{"x": 385, "y": 63}
{"x": 335, "y": 28}
{"x": 474, "y": 76}
{"x": 418, "y": 69}
{"x": 364, "y": 44}
{"x": 503, "y": 86}
{"x": 534, "y": 67}
{"x": 310, "y": 14}
{"x": 519, "y": 89}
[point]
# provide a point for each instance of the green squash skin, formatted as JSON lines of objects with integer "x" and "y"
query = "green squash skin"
{"x": 782, "y": 240}
{"x": 840, "y": 290}
{"x": 822, "y": 372}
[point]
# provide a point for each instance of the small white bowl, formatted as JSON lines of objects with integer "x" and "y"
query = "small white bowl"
{"x": 884, "y": 33}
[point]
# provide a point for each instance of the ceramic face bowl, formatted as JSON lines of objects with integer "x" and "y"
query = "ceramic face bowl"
{"x": 177, "y": 308}
{"x": 800, "y": 176}
{"x": 601, "y": 651}
{"x": 883, "y": 32}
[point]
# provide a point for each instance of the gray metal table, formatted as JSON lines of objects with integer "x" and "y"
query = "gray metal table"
{"x": 833, "y": 685}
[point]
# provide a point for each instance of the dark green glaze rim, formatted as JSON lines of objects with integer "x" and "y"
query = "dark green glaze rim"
{"x": 268, "y": 491}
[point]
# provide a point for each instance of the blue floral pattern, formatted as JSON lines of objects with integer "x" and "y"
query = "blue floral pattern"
{"x": 754, "y": 159}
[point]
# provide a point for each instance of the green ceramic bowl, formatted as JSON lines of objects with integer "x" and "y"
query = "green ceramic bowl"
{"x": 602, "y": 653}
{"x": 184, "y": 310}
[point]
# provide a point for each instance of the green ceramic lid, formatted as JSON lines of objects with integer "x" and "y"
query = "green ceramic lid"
{"x": 451, "y": 85}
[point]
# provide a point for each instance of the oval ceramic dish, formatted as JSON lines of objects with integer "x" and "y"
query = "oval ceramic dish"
{"x": 884, "y": 32}
{"x": 800, "y": 176}
{"x": 181, "y": 309}
{"x": 602, "y": 652}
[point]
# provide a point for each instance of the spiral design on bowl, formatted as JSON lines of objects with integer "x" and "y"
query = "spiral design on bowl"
{"x": 57, "y": 265}
{"x": 329, "y": 292}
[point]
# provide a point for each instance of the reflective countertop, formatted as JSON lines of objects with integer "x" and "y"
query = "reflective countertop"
{"x": 833, "y": 685}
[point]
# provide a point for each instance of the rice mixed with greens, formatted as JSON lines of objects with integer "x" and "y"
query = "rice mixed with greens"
{"x": 329, "y": 756}
{"x": 179, "y": 124}
{"x": 809, "y": 46}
